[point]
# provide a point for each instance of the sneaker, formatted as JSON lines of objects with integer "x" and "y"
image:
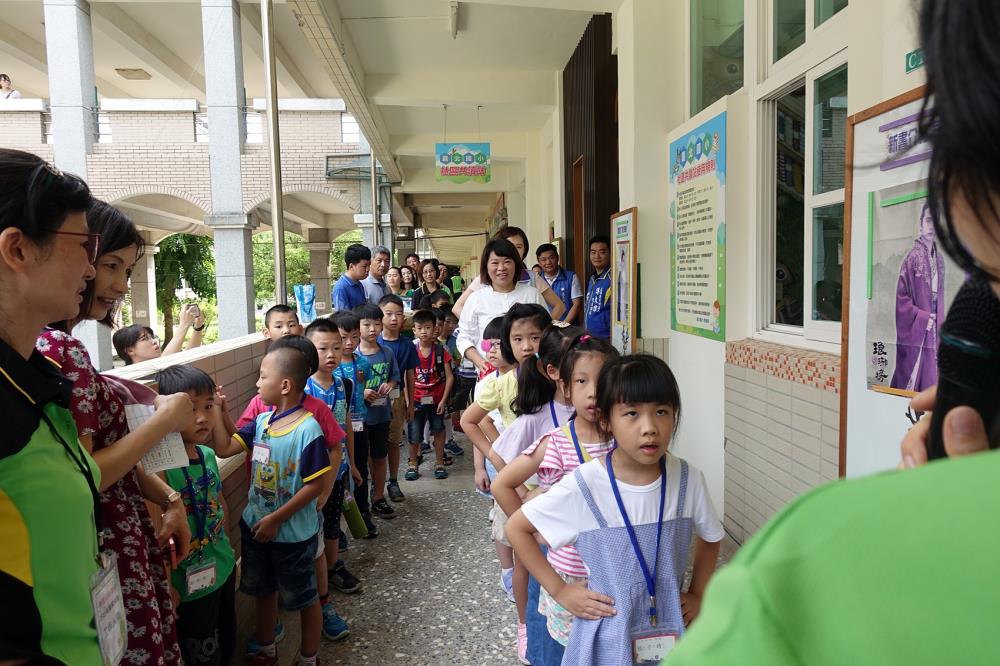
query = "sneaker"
{"x": 382, "y": 509}
{"x": 299, "y": 662}
{"x": 522, "y": 643}
{"x": 453, "y": 448}
{"x": 424, "y": 447}
{"x": 253, "y": 647}
{"x": 507, "y": 583}
{"x": 370, "y": 524}
{"x": 393, "y": 491}
{"x": 343, "y": 580}
{"x": 334, "y": 626}
{"x": 342, "y": 542}
{"x": 261, "y": 659}
{"x": 440, "y": 473}
{"x": 412, "y": 473}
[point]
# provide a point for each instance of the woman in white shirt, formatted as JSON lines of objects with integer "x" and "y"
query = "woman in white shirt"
{"x": 7, "y": 88}
{"x": 499, "y": 272}
{"x": 517, "y": 238}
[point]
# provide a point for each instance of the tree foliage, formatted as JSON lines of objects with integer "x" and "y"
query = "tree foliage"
{"x": 296, "y": 265}
{"x": 183, "y": 259}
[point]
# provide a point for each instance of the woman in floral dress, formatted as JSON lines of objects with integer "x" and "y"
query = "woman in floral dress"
{"x": 99, "y": 412}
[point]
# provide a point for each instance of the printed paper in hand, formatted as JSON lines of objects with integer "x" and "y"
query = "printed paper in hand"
{"x": 168, "y": 453}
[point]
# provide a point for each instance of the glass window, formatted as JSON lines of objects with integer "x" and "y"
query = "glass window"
{"x": 827, "y": 261}
{"x": 789, "y": 26}
{"x": 829, "y": 131}
{"x": 349, "y": 131}
{"x": 716, "y": 51}
{"x": 789, "y": 214}
{"x": 827, "y": 8}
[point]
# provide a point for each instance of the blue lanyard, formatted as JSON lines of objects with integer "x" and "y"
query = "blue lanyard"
{"x": 200, "y": 517}
{"x": 552, "y": 411}
{"x": 277, "y": 417}
{"x": 579, "y": 454}
{"x": 650, "y": 578}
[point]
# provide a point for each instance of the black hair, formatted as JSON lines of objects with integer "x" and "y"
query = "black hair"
{"x": 448, "y": 314}
{"x": 368, "y": 311}
{"x": 509, "y": 232}
{"x": 303, "y": 345}
{"x": 5, "y": 77}
{"x": 35, "y": 197}
{"x": 534, "y": 387}
{"x": 424, "y": 316}
{"x": 280, "y": 308}
{"x": 545, "y": 247}
{"x": 424, "y": 264}
{"x": 413, "y": 283}
{"x": 425, "y": 303}
{"x": 635, "y": 379}
{"x": 391, "y": 298}
{"x": 412, "y": 254}
{"x": 126, "y": 338}
{"x": 438, "y": 314}
{"x": 321, "y": 325}
{"x": 438, "y": 295}
{"x": 292, "y": 366}
{"x": 494, "y": 329}
{"x": 356, "y": 253}
{"x": 959, "y": 118}
{"x": 501, "y": 248}
{"x": 347, "y": 321}
{"x": 536, "y": 313}
{"x": 601, "y": 238}
{"x": 583, "y": 343}
{"x": 184, "y": 379}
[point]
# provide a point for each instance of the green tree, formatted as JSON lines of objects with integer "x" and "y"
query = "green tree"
{"x": 187, "y": 258}
{"x": 296, "y": 265}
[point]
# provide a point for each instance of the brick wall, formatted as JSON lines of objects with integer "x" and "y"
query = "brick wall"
{"x": 782, "y": 429}
{"x": 20, "y": 129}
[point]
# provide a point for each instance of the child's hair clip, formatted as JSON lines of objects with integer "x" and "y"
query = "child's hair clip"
{"x": 558, "y": 323}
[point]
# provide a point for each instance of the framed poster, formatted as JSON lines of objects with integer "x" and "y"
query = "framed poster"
{"x": 623, "y": 283}
{"x": 898, "y": 283}
{"x": 698, "y": 239}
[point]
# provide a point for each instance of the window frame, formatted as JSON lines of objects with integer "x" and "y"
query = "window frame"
{"x": 343, "y": 134}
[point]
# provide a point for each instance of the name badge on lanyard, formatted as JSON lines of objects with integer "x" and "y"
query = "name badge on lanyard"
{"x": 109, "y": 610}
{"x": 652, "y": 649}
{"x": 200, "y": 577}
{"x": 261, "y": 453}
{"x": 357, "y": 425}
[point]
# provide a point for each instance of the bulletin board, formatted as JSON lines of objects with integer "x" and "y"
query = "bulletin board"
{"x": 899, "y": 283}
{"x": 623, "y": 283}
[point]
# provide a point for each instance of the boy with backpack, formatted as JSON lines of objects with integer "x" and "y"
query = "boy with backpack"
{"x": 432, "y": 386}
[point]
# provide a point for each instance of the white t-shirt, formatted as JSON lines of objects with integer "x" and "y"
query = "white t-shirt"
{"x": 484, "y": 306}
{"x": 532, "y": 280}
{"x": 561, "y": 514}
{"x": 529, "y": 428}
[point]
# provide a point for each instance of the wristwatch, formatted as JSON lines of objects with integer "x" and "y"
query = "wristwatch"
{"x": 171, "y": 498}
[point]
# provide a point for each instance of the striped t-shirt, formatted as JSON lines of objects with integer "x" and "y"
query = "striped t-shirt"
{"x": 561, "y": 459}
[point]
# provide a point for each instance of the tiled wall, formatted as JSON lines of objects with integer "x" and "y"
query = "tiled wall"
{"x": 658, "y": 347}
{"x": 782, "y": 429}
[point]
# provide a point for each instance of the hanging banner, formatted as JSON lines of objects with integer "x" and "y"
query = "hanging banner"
{"x": 623, "y": 255}
{"x": 698, "y": 240}
{"x": 462, "y": 162}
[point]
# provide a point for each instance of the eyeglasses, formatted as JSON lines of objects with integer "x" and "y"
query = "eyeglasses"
{"x": 92, "y": 246}
{"x": 145, "y": 337}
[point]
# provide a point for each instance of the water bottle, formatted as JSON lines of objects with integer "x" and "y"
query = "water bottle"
{"x": 355, "y": 522}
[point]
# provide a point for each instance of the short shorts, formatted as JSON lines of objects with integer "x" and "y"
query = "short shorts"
{"x": 286, "y": 568}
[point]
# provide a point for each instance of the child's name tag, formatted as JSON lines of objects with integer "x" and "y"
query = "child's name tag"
{"x": 427, "y": 400}
{"x": 357, "y": 425}
{"x": 394, "y": 394}
{"x": 378, "y": 402}
{"x": 109, "y": 610}
{"x": 261, "y": 454}
{"x": 652, "y": 649}
{"x": 200, "y": 577}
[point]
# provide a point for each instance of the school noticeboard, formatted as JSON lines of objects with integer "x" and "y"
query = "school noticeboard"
{"x": 462, "y": 162}
{"x": 623, "y": 284}
{"x": 698, "y": 237}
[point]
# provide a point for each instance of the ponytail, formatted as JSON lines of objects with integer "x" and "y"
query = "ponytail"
{"x": 534, "y": 387}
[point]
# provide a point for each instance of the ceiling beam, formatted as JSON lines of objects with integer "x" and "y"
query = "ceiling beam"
{"x": 288, "y": 71}
{"x": 322, "y": 24}
{"x": 503, "y": 145}
{"x": 494, "y": 90}
{"x": 111, "y": 20}
{"x": 31, "y": 52}
{"x": 588, "y": 6}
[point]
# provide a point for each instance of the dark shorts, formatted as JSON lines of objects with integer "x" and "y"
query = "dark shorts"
{"x": 286, "y": 568}
{"x": 333, "y": 509}
{"x": 422, "y": 415}
{"x": 461, "y": 396}
{"x": 378, "y": 440}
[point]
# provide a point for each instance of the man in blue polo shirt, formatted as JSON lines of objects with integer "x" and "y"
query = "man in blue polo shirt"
{"x": 564, "y": 283}
{"x": 597, "y": 314}
{"x": 374, "y": 285}
{"x": 348, "y": 292}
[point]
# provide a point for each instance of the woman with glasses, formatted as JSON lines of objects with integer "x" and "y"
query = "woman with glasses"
{"x": 48, "y": 479}
{"x": 98, "y": 409}
{"x": 138, "y": 343}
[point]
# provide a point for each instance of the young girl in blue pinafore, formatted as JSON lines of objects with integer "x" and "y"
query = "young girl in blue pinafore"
{"x": 559, "y": 450}
{"x": 631, "y": 516}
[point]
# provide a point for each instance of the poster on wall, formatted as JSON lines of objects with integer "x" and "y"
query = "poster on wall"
{"x": 623, "y": 284}
{"x": 462, "y": 162}
{"x": 698, "y": 238}
{"x": 910, "y": 284}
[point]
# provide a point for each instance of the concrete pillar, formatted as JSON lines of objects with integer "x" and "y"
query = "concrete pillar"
{"x": 318, "y": 244}
{"x": 232, "y": 229}
{"x": 144, "y": 288}
{"x": 69, "y": 48}
{"x": 233, "y": 274}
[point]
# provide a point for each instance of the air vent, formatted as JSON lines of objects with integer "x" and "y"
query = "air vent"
{"x": 133, "y": 74}
{"x": 450, "y": 206}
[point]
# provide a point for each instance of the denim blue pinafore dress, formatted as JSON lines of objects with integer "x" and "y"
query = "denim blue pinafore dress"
{"x": 615, "y": 571}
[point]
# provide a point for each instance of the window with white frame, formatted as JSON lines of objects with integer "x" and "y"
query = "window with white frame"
{"x": 790, "y": 18}
{"x": 716, "y": 51}
{"x": 349, "y": 130}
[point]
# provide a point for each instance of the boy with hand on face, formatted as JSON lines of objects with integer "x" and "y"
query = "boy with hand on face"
{"x": 383, "y": 381}
{"x": 402, "y": 404}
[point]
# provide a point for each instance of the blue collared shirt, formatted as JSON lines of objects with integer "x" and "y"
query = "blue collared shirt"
{"x": 347, "y": 293}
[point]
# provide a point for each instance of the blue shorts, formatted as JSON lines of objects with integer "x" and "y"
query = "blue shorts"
{"x": 423, "y": 414}
{"x": 286, "y": 568}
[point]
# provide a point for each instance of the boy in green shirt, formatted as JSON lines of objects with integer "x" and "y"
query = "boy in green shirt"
{"x": 205, "y": 580}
